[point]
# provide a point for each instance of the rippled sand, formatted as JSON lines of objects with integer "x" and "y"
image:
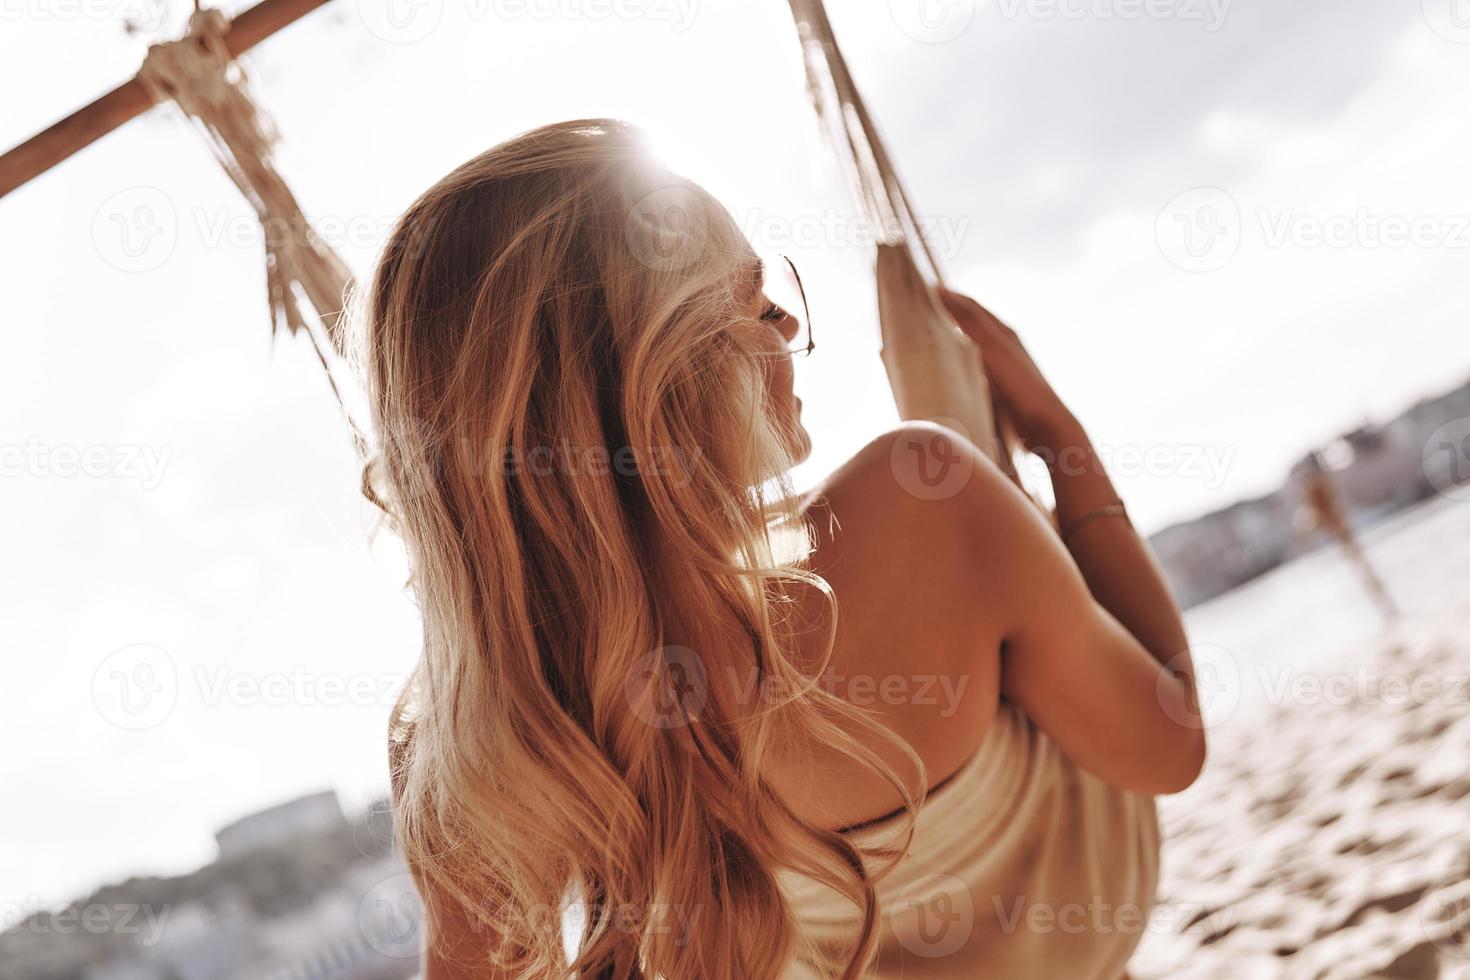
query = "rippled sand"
{"x": 1329, "y": 836}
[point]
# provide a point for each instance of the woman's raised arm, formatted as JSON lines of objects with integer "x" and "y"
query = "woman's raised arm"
{"x": 1098, "y": 620}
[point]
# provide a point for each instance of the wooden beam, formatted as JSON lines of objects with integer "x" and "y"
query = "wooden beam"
{"x": 91, "y": 122}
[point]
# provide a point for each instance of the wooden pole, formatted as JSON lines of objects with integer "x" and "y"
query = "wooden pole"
{"x": 91, "y": 122}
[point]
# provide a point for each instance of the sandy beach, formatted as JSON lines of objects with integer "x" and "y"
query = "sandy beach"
{"x": 1329, "y": 836}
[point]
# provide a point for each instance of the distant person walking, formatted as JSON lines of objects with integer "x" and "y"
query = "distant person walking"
{"x": 1325, "y": 510}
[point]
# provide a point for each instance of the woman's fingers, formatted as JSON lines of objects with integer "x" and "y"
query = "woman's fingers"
{"x": 1016, "y": 382}
{"x": 961, "y": 307}
{"x": 973, "y": 318}
{"x": 984, "y": 327}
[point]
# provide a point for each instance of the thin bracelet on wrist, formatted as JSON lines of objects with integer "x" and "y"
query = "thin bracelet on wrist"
{"x": 1115, "y": 509}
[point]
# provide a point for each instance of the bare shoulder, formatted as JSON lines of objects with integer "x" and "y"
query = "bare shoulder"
{"x": 938, "y": 512}
{"x": 918, "y": 637}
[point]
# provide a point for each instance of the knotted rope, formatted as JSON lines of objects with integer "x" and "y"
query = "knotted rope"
{"x": 198, "y": 74}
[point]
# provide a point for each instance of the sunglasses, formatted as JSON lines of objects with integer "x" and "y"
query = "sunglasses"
{"x": 785, "y": 294}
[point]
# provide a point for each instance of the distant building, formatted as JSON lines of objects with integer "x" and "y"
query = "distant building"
{"x": 1221, "y": 550}
{"x": 204, "y": 942}
{"x": 1445, "y": 462}
{"x": 309, "y": 814}
{"x": 127, "y": 969}
{"x": 355, "y": 914}
{"x": 1376, "y": 470}
{"x": 336, "y": 938}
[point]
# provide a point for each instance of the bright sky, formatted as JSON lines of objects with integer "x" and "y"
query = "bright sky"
{"x": 1047, "y": 142}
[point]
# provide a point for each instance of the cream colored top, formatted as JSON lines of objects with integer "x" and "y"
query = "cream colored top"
{"x": 1021, "y": 866}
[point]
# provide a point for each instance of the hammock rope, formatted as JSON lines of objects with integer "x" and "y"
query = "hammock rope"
{"x": 199, "y": 75}
{"x": 934, "y": 370}
{"x": 881, "y": 194}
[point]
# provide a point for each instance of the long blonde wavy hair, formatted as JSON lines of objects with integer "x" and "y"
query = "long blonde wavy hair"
{"x": 581, "y": 460}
